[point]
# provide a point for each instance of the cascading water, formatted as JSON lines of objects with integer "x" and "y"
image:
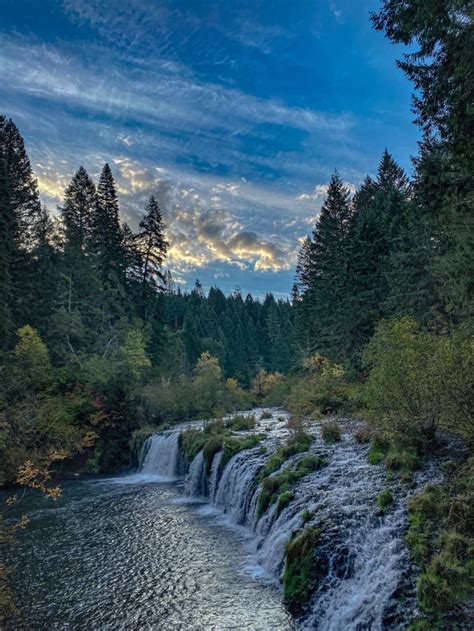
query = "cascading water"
{"x": 160, "y": 456}
{"x": 362, "y": 560}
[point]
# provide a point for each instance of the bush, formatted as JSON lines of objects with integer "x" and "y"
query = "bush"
{"x": 363, "y": 435}
{"x": 299, "y": 572}
{"x": 404, "y": 460}
{"x": 324, "y": 390}
{"x": 265, "y": 414}
{"x": 331, "y": 432}
{"x": 419, "y": 382}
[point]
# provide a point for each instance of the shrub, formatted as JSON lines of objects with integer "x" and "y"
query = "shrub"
{"x": 324, "y": 389}
{"x": 331, "y": 432}
{"x": 306, "y": 516}
{"x": 211, "y": 447}
{"x": 385, "y": 500}
{"x": 404, "y": 460}
{"x": 419, "y": 381}
{"x": 299, "y": 443}
{"x": 363, "y": 435}
{"x": 265, "y": 414}
{"x": 298, "y": 575}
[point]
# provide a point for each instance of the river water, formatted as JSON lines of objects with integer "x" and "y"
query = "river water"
{"x": 132, "y": 553}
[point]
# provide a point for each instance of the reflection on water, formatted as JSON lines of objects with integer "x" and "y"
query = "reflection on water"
{"x": 128, "y": 553}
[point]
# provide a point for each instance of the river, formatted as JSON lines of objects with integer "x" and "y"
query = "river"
{"x": 130, "y": 553}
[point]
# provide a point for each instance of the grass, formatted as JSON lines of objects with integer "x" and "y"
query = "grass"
{"x": 241, "y": 422}
{"x": 441, "y": 539}
{"x": 298, "y": 444}
{"x": 265, "y": 414}
{"x": 276, "y": 488}
{"x": 385, "y": 500}
{"x": 331, "y": 432}
{"x": 213, "y": 438}
{"x": 300, "y": 566}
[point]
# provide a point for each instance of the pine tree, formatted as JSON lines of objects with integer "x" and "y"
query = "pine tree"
{"x": 153, "y": 247}
{"x": 44, "y": 275}
{"x": 20, "y": 210}
{"x": 77, "y": 213}
{"x": 303, "y": 269}
{"x": 328, "y": 268}
{"x": 8, "y": 243}
{"x": 110, "y": 254}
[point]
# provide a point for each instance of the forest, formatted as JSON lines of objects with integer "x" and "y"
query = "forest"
{"x": 98, "y": 347}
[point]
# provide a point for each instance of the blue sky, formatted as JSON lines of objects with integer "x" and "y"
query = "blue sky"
{"x": 233, "y": 113}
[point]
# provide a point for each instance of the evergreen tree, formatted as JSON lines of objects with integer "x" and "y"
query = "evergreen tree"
{"x": 20, "y": 210}
{"x": 153, "y": 247}
{"x": 440, "y": 67}
{"x": 108, "y": 244}
{"x": 77, "y": 213}
{"x": 327, "y": 268}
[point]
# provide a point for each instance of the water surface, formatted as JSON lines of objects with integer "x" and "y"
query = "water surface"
{"x": 126, "y": 553}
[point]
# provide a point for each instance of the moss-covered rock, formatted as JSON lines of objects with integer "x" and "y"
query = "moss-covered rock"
{"x": 299, "y": 572}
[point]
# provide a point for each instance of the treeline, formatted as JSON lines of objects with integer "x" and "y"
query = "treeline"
{"x": 246, "y": 335}
{"x": 94, "y": 339}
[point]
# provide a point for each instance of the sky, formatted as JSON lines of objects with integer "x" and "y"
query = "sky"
{"x": 232, "y": 113}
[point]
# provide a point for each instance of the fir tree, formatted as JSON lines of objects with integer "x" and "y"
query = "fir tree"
{"x": 108, "y": 245}
{"x": 153, "y": 247}
{"x": 77, "y": 213}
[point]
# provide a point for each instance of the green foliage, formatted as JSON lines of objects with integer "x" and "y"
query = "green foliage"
{"x": 232, "y": 446}
{"x": 32, "y": 358}
{"x": 215, "y": 437}
{"x": 137, "y": 440}
{"x": 419, "y": 382}
{"x": 300, "y": 568}
{"x": 323, "y": 390}
{"x": 297, "y": 444}
{"x": 283, "y": 500}
{"x": 276, "y": 487}
{"x": 241, "y": 422}
{"x": 441, "y": 538}
{"x": 331, "y": 432}
{"x": 134, "y": 355}
{"x": 385, "y": 500}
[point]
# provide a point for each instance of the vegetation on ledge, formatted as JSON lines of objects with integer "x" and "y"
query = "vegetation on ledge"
{"x": 300, "y": 566}
{"x": 214, "y": 437}
{"x": 441, "y": 539}
{"x": 277, "y": 487}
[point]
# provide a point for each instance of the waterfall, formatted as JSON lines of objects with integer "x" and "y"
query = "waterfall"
{"x": 362, "y": 560}
{"x": 160, "y": 456}
{"x": 195, "y": 483}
